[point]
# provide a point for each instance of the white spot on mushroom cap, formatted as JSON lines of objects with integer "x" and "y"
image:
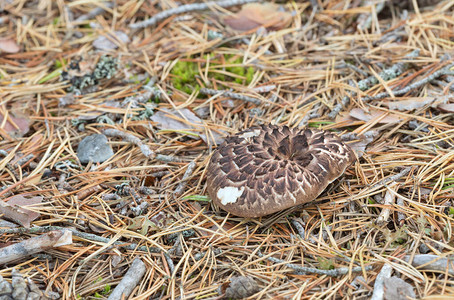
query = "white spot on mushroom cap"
{"x": 229, "y": 194}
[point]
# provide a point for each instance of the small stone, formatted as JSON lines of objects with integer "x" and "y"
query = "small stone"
{"x": 5, "y": 287}
{"x": 94, "y": 148}
{"x": 423, "y": 249}
{"x": 398, "y": 289}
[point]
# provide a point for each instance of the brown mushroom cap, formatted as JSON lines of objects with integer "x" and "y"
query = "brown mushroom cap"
{"x": 268, "y": 168}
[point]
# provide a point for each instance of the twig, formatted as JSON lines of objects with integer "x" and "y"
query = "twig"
{"x": 364, "y": 22}
{"x": 184, "y": 180}
{"x": 393, "y": 72}
{"x": 35, "y": 245}
{"x": 379, "y": 286}
{"x": 304, "y": 270}
{"x": 444, "y": 84}
{"x": 129, "y": 282}
{"x": 389, "y": 200}
{"x": 185, "y": 9}
{"x": 356, "y": 69}
{"x": 232, "y": 95}
{"x": 265, "y": 88}
{"x": 136, "y": 141}
{"x": 301, "y": 232}
{"x": 311, "y": 115}
{"x": 387, "y": 74}
{"x": 93, "y": 13}
{"x": 392, "y": 178}
{"x": 150, "y": 91}
{"x": 169, "y": 263}
{"x": 338, "y": 107}
{"x": 433, "y": 76}
{"x": 83, "y": 235}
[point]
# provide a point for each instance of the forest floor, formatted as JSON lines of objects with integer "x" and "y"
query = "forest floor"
{"x": 165, "y": 93}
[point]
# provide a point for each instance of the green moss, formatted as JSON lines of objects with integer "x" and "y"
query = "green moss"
{"x": 239, "y": 69}
{"x": 183, "y": 78}
{"x": 184, "y": 72}
{"x": 249, "y": 74}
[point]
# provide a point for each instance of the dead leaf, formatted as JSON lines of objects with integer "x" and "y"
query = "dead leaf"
{"x": 185, "y": 120}
{"x": 105, "y": 43}
{"x": 15, "y": 209}
{"x": 448, "y": 107}
{"x": 360, "y": 114}
{"x": 65, "y": 239}
{"x": 412, "y": 103}
{"x": 254, "y": 15}
{"x": 361, "y": 142}
{"x": 143, "y": 224}
{"x": 398, "y": 289}
{"x": 8, "y": 45}
{"x": 15, "y": 125}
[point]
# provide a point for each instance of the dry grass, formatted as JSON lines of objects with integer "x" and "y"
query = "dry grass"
{"x": 306, "y": 66}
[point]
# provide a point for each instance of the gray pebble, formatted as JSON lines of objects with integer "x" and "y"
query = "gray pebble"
{"x": 94, "y": 148}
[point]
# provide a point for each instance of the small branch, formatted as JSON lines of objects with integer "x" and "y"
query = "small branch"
{"x": 379, "y": 286}
{"x": 311, "y": 115}
{"x": 35, "y": 245}
{"x": 356, "y": 69}
{"x": 93, "y": 13}
{"x": 136, "y": 141}
{"x": 149, "y": 92}
{"x": 387, "y": 74}
{"x": 83, "y": 235}
{"x": 392, "y": 178}
{"x": 433, "y": 76}
{"x": 338, "y": 107}
{"x": 305, "y": 270}
{"x": 170, "y": 263}
{"x": 232, "y": 95}
{"x": 389, "y": 200}
{"x": 185, "y": 9}
{"x": 184, "y": 180}
{"x": 129, "y": 282}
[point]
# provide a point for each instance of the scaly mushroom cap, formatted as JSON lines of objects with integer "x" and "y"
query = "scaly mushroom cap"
{"x": 268, "y": 168}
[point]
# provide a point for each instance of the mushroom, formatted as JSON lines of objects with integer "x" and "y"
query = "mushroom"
{"x": 268, "y": 168}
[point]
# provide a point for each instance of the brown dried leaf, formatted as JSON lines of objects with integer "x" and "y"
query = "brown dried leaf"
{"x": 412, "y": 103}
{"x": 8, "y": 45}
{"x": 409, "y": 104}
{"x": 448, "y": 107}
{"x": 360, "y": 114}
{"x": 65, "y": 239}
{"x": 15, "y": 209}
{"x": 185, "y": 120}
{"x": 360, "y": 145}
{"x": 253, "y": 15}
{"x": 15, "y": 126}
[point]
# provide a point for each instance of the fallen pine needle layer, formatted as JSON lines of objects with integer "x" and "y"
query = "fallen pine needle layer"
{"x": 165, "y": 82}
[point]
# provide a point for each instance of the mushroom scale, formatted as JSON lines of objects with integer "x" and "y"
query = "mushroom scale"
{"x": 268, "y": 168}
